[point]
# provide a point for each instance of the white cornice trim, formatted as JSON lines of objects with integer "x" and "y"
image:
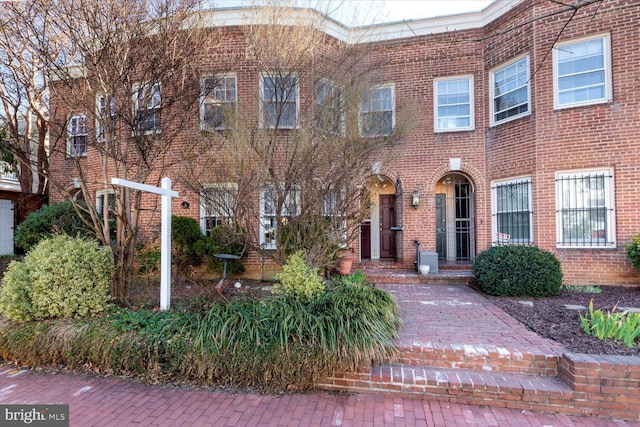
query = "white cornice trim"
{"x": 378, "y": 32}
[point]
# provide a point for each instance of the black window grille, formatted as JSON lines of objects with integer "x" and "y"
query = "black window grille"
{"x": 513, "y": 216}
{"x": 585, "y": 209}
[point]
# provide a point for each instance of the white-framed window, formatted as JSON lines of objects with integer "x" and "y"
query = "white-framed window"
{"x": 331, "y": 210}
{"x": 453, "y": 104}
{"x": 377, "y": 112}
{"x": 512, "y": 211}
{"x": 77, "y": 136}
{"x": 217, "y": 206}
{"x": 330, "y": 107}
{"x": 105, "y": 116}
{"x": 585, "y": 208}
{"x": 279, "y": 101}
{"x": 219, "y": 100}
{"x": 109, "y": 197}
{"x": 582, "y": 72}
{"x": 146, "y": 107}
{"x": 268, "y": 207}
{"x": 510, "y": 92}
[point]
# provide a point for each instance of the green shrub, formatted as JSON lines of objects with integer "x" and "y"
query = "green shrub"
{"x": 188, "y": 241}
{"x": 224, "y": 240}
{"x": 49, "y": 220}
{"x": 273, "y": 344}
{"x": 633, "y": 251}
{"x": 518, "y": 271}
{"x": 62, "y": 276}
{"x": 148, "y": 258}
{"x": 298, "y": 280}
{"x": 623, "y": 326}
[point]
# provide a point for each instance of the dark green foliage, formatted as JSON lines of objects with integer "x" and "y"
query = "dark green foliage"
{"x": 518, "y": 271}
{"x": 49, "y": 220}
{"x": 273, "y": 344}
{"x": 633, "y": 251}
{"x": 148, "y": 259}
{"x": 188, "y": 241}
{"x": 224, "y": 240}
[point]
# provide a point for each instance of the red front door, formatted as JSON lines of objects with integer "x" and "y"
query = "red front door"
{"x": 387, "y": 236}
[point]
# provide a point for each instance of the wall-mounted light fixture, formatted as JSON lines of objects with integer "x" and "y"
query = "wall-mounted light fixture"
{"x": 415, "y": 199}
{"x": 184, "y": 204}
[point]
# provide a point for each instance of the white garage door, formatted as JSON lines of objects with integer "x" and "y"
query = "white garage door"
{"x": 6, "y": 227}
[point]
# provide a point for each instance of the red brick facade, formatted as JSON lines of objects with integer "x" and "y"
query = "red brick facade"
{"x": 537, "y": 145}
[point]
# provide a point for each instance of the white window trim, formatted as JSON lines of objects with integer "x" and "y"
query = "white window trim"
{"x": 262, "y": 118}
{"x": 284, "y": 213}
{"x": 494, "y": 207}
{"x": 343, "y": 123}
{"x": 105, "y": 194}
{"x": 203, "y": 124}
{"x": 228, "y": 186}
{"x": 392, "y": 86}
{"x": 471, "y": 104}
{"x": 492, "y": 96}
{"x": 607, "y": 72}
{"x": 100, "y": 125}
{"x": 70, "y": 146}
{"x": 609, "y": 195}
{"x": 146, "y": 86}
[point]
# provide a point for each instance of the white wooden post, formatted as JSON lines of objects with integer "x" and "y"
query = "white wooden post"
{"x": 165, "y": 233}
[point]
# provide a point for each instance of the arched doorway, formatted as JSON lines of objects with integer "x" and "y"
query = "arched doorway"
{"x": 455, "y": 218}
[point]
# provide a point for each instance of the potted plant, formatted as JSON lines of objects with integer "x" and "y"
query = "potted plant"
{"x": 345, "y": 261}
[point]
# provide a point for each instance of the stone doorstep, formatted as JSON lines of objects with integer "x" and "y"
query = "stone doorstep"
{"x": 544, "y": 393}
{"x": 411, "y": 277}
{"x": 530, "y": 360}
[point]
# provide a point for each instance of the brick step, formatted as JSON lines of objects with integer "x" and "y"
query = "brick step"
{"x": 411, "y": 277}
{"x": 489, "y": 358}
{"x": 498, "y": 389}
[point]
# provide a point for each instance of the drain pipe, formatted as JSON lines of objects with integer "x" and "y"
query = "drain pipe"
{"x": 416, "y": 262}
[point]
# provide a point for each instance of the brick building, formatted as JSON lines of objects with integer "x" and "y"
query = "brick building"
{"x": 520, "y": 127}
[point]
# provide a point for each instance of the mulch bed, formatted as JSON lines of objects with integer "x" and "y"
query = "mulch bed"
{"x": 549, "y": 318}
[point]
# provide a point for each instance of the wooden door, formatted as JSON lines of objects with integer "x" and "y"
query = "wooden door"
{"x": 387, "y": 236}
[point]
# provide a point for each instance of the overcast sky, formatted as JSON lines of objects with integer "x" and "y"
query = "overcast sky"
{"x": 377, "y": 11}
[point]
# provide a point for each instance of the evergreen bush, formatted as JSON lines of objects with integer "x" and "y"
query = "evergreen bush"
{"x": 62, "y": 276}
{"x": 633, "y": 251}
{"x": 188, "y": 241}
{"x": 518, "y": 271}
{"x": 49, "y": 220}
{"x": 298, "y": 280}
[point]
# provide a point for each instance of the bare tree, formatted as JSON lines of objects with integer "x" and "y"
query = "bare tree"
{"x": 124, "y": 81}
{"x": 24, "y": 95}
{"x": 301, "y": 146}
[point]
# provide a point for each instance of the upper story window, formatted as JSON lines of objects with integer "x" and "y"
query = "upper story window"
{"x": 279, "y": 101}
{"x": 105, "y": 117}
{"x": 512, "y": 212}
{"x": 217, "y": 206}
{"x": 585, "y": 209}
{"x": 510, "y": 91}
{"x": 329, "y": 108}
{"x": 146, "y": 105}
{"x": 77, "y": 136}
{"x": 377, "y": 112}
{"x": 453, "y": 104}
{"x": 219, "y": 101}
{"x": 582, "y": 72}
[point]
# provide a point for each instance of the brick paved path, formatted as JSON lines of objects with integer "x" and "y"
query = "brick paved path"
{"x": 114, "y": 402}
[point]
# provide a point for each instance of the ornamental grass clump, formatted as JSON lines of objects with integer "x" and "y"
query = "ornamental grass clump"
{"x": 62, "y": 276}
{"x": 518, "y": 271}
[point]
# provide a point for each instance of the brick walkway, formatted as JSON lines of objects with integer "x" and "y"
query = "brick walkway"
{"x": 114, "y": 402}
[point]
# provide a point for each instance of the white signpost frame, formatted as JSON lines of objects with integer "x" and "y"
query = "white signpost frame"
{"x": 165, "y": 232}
